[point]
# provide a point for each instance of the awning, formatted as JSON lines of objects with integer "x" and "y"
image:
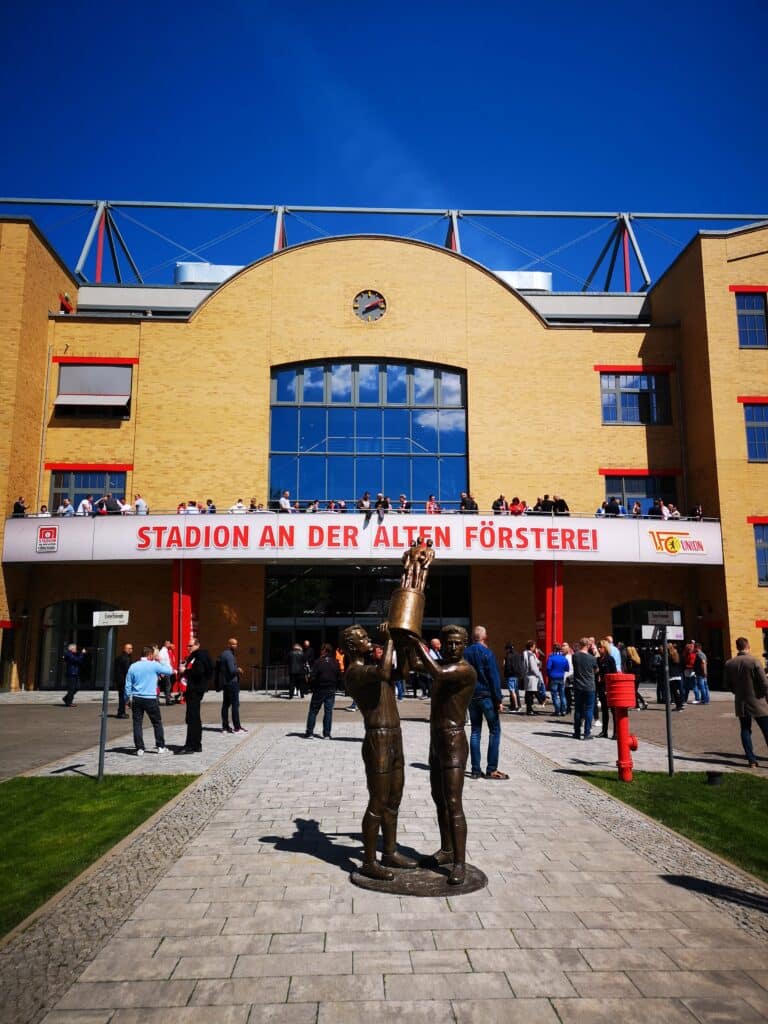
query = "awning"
{"x": 100, "y": 400}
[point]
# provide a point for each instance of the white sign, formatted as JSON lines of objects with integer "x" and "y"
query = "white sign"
{"x": 110, "y": 618}
{"x": 356, "y": 539}
{"x": 664, "y": 618}
{"x": 652, "y": 632}
{"x": 47, "y": 539}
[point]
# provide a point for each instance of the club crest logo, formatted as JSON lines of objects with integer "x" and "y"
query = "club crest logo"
{"x": 673, "y": 542}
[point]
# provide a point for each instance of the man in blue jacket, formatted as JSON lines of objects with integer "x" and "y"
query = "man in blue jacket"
{"x": 486, "y": 703}
{"x": 557, "y": 669}
{"x": 141, "y": 695}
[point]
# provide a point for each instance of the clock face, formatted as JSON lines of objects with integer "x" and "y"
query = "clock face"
{"x": 369, "y": 305}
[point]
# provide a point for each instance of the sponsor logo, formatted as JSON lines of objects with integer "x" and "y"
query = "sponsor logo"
{"x": 675, "y": 542}
{"x": 47, "y": 539}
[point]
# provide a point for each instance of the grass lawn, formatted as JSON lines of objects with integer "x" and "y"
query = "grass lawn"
{"x": 54, "y": 828}
{"x": 731, "y": 820}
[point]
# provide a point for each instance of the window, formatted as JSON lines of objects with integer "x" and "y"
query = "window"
{"x": 635, "y": 398}
{"x": 761, "y": 550}
{"x": 338, "y": 429}
{"x": 94, "y": 390}
{"x": 751, "y": 317}
{"x": 77, "y": 485}
{"x": 629, "y": 489}
{"x": 756, "y": 419}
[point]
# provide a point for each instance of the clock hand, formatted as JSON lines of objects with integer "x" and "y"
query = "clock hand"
{"x": 373, "y": 305}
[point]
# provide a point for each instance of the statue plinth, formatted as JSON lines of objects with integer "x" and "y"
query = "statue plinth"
{"x": 406, "y": 611}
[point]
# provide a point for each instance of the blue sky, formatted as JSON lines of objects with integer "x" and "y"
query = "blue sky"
{"x": 659, "y": 106}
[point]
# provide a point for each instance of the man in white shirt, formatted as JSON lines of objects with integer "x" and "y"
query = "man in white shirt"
{"x": 85, "y": 508}
{"x": 140, "y": 505}
{"x": 66, "y": 508}
{"x": 285, "y": 502}
{"x": 239, "y": 507}
{"x": 166, "y": 679}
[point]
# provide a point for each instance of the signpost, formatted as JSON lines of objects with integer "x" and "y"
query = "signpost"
{"x": 107, "y": 620}
{"x": 661, "y": 625}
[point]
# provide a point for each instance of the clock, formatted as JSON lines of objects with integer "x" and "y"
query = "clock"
{"x": 369, "y": 305}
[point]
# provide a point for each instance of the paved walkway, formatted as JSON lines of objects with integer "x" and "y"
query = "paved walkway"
{"x": 235, "y": 906}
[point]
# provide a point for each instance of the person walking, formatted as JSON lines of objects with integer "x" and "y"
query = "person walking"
{"x": 584, "y": 673}
{"x": 745, "y": 678}
{"x": 532, "y": 676}
{"x": 485, "y": 704}
{"x": 296, "y": 671}
{"x": 606, "y": 665}
{"x": 700, "y": 667}
{"x": 122, "y": 664}
{"x": 557, "y": 667}
{"x": 198, "y": 670}
{"x": 141, "y": 695}
{"x": 73, "y": 662}
{"x": 512, "y": 676}
{"x": 230, "y": 673}
{"x": 324, "y": 677}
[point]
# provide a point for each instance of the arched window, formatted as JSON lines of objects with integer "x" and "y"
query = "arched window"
{"x": 341, "y": 428}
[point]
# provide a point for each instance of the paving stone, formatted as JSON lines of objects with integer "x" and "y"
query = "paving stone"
{"x": 214, "y": 945}
{"x": 297, "y": 942}
{"x": 603, "y": 984}
{"x": 78, "y": 1017}
{"x": 527, "y": 961}
{"x": 159, "y": 927}
{"x": 396, "y": 962}
{"x": 428, "y": 920}
{"x": 129, "y": 967}
{"x": 723, "y": 1011}
{"x": 378, "y": 941}
{"x": 284, "y": 964}
{"x": 205, "y": 966}
{"x": 271, "y": 922}
{"x": 234, "y": 991}
{"x": 627, "y": 959}
{"x": 574, "y": 938}
{"x": 741, "y": 958}
{"x": 336, "y": 988}
{"x": 691, "y": 984}
{"x": 508, "y": 1011}
{"x": 438, "y": 961}
{"x": 86, "y": 995}
{"x": 483, "y": 938}
{"x": 481, "y": 985}
{"x": 496, "y": 919}
{"x": 185, "y": 1015}
{"x": 400, "y": 1012}
{"x": 339, "y": 922}
{"x": 609, "y": 1011}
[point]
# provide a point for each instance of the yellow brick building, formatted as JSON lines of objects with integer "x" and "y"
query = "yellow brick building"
{"x": 576, "y": 405}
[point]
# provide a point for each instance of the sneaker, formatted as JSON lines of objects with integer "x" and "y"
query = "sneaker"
{"x": 241, "y": 729}
{"x": 140, "y": 753}
{"x": 326, "y": 737}
{"x": 162, "y": 750}
{"x": 226, "y": 728}
{"x": 475, "y": 775}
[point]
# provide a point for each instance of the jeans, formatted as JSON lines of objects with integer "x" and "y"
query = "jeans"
{"x": 152, "y": 707}
{"x": 399, "y": 689}
{"x": 691, "y": 682}
{"x": 557, "y": 692}
{"x": 703, "y": 689}
{"x": 230, "y": 694}
{"x": 583, "y": 709}
{"x": 324, "y": 699}
{"x": 746, "y": 734}
{"x": 484, "y": 708}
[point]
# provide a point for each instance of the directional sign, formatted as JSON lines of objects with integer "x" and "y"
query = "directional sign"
{"x": 673, "y": 632}
{"x": 664, "y": 618}
{"x": 110, "y": 618}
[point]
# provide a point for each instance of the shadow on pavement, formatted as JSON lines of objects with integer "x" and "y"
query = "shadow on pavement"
{"x": 754, "y": 900}
{"x": 74, "y": 769}
{"x": 310, "y": 840}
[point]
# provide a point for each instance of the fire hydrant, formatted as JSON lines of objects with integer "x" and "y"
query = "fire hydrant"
{"x": 620, "y": 691}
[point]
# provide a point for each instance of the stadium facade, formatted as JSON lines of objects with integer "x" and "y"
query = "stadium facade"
{"x": 389, "y": 365}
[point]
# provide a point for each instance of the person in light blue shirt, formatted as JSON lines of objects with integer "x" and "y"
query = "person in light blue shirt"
{"x": 141, "y": 695}
{"x": 557, "y": 667}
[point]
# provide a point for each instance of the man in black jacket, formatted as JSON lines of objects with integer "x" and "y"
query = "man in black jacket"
{"x": 324, "y": 677}
{"x": 297, "y": 671}
{"x": 198, "y": 670}
{"x": 122, "y": 664}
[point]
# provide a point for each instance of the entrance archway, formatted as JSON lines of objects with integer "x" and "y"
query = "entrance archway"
{"x": 71, "y": 622}
{"x": 628, "y": 619}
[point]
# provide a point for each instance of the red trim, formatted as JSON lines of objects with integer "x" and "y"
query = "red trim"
{"x": 748, "y": 287}
{"x": 6, "y": 624}
{"x": 95, "y": 467}
{"x": 760, "y": 623}
{"x": 757, "y": 520}
{"x": 97, "y": 360}
{"x": 752, "y": 399}
{"x": 650, "y": 368}
{"x": 607, "y": 471}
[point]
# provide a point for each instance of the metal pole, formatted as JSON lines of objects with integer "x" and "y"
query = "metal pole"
{"x": 100, "y": 207}
{"x": 100, "y": 248}
{"x": 105, "y": 700}
{"x": 667, "y": 708}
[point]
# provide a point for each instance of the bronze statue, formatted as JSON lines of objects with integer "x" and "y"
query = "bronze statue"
{"x": 370, "y": 686}
{"x": 452, "y": 689}
{"x": 416, "y": 562}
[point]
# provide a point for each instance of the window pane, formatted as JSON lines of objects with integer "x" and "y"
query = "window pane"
{"x": 95, "y": 380}
{"x": 311, "y": 478}
{"x": 341, "y": 478}
{"x": 368, "y": 383}
{"x": 609, "y": 407}
{"x": 453, "y": 433}
{"x": 312, "y": 430}
{"x": 453, "y": 477}
{"x": 397, "y": 477}
{"x": 341, "y": 428}
{"x": 368, "y": 430}
{"x": 284, "y": 429}
{"x": 115, "y": 482}
{"x": 761, "y": 549}
{"x": 424, "y": 426}
{"x": 285, "y": 389}
{"x": 341, "y": 382}
{"x": 423, "y": 385}
{"x": 450, "y": 388}
{"x": 426, "y": 481}
{"x": 630, "y": 407}
{"x": 397, "y": 385}
{"x": 368, "y": 476}
{"x": 313, "y": 383}
{"x": 282, "y": 475}
{"x": 397, "y": 430}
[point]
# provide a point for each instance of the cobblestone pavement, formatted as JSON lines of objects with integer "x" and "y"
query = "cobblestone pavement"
{"x": 237, "y": 907}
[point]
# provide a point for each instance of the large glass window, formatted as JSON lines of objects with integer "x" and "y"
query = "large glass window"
{"x": 78, "y": 485}
{"x": 751, "y": 317}
{"x": 635, "y": 397}
{"x": 761, "y": 550}
{"x": 338, "y": 429}
{"x": 629, "y": 489}
{"x": 756, "y": 419}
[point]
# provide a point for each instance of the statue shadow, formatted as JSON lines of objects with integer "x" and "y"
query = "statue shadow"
{"x": 718, "y": 891}
{"x": 309, "y": 839}
{"x": 420, "y": 765}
